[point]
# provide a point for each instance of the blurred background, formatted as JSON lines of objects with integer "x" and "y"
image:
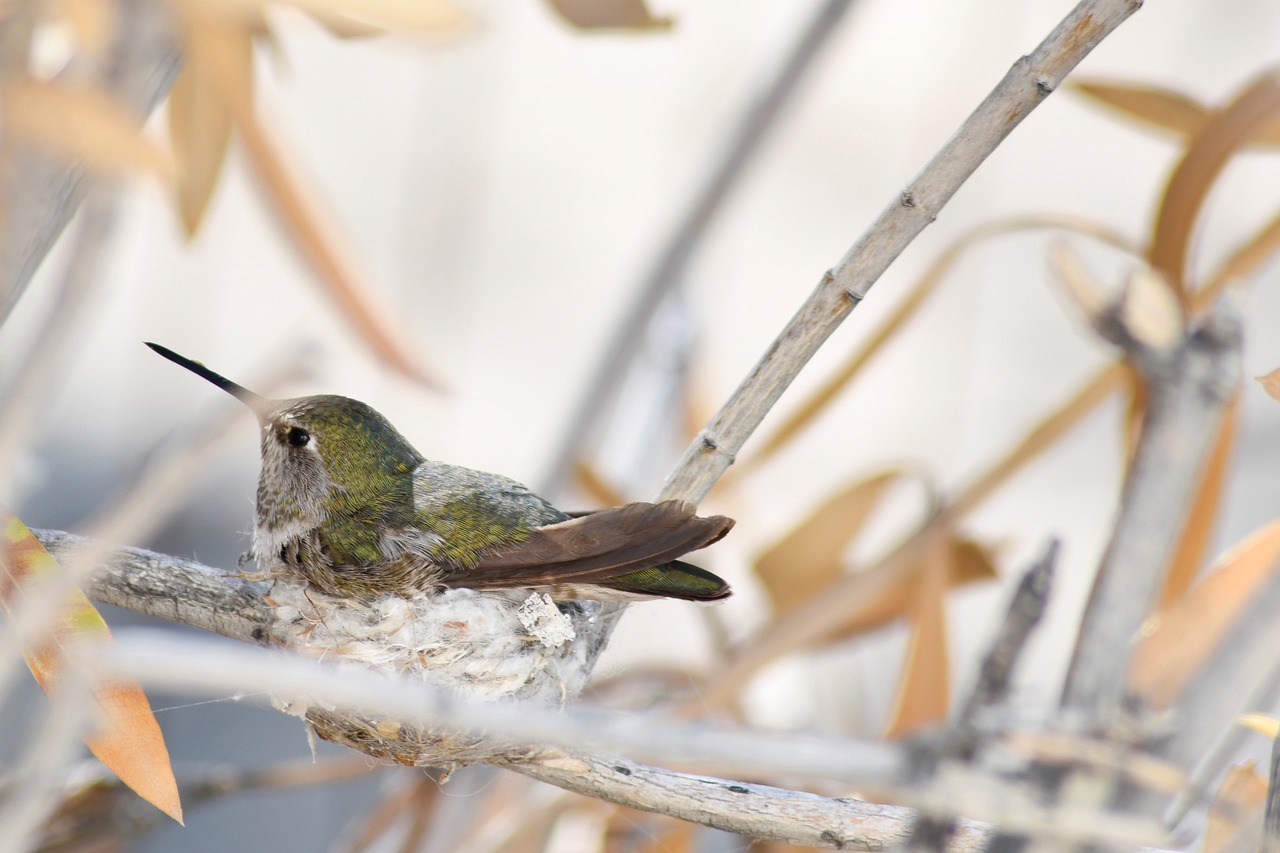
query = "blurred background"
{"x": 504, "y": 190}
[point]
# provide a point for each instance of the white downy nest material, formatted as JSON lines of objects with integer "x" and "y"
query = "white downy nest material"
{"x": 510, "y": 646}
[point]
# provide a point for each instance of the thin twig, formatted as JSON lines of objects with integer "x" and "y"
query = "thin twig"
{"x": 1025, "y": 611}
{"x": 754, "y": 810}
{"x": 1189, "y": 386}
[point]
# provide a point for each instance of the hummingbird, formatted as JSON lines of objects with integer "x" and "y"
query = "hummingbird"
{"x": 346, "y": 503}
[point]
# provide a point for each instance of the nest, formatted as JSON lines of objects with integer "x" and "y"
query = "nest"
{"x": 499, "y": 646}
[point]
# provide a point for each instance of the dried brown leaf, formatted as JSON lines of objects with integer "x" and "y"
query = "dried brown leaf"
{"x": 1179, "y": 640}
{"x": 924, "y": 686}
{"x": 200, "y": 115}
{"x": 1222, "y": 135}
{"x": 1161, "y": 108}
{"x": 1241, "y": 794}
{"x": 1165, "y": 109}
{"x": 128, "y": 738}
{"x": 1271, "y": 383}
{"x": 1268, "y": 134}
{"x": 808, "y": 559}
{"x": 1190, "y": 553}
{"x": 609, "y": 14}
{"x": 83, "y": 124}
{"x": 971, "y": 561}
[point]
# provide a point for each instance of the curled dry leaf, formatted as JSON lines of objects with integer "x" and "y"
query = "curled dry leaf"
{"x": 1222, "y": 135}
{"x": 1164, "y": 109}
{"x": 1154, "y": 106}
{"x": 1179, "y": 640}
{"x": 128, "y": 740}
{"x": 83, "y": 124}
{"x": 1271, "y": 383}
{"x": 609, "y": 14}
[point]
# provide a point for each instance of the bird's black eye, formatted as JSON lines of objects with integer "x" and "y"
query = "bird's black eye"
{"x": 298, "y": 437}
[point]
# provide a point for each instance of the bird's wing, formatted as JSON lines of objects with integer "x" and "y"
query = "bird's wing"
{"x": 595, "y": 548}
{"x": 465, "y": 512}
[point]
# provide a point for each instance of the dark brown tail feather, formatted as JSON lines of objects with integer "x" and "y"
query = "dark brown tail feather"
{"x": 631, "y": 545}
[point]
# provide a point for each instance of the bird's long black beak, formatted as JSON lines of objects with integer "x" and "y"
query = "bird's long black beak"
{"x": 257, "y": 402}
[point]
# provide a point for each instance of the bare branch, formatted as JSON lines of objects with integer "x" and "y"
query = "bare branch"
{"x": 1030, "y": 80}
{"x": 1025, "y": 610}
{"x": 1190, "y": 383}
{"x": 171, "y": 588}
{"x": 755, "y": 810}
